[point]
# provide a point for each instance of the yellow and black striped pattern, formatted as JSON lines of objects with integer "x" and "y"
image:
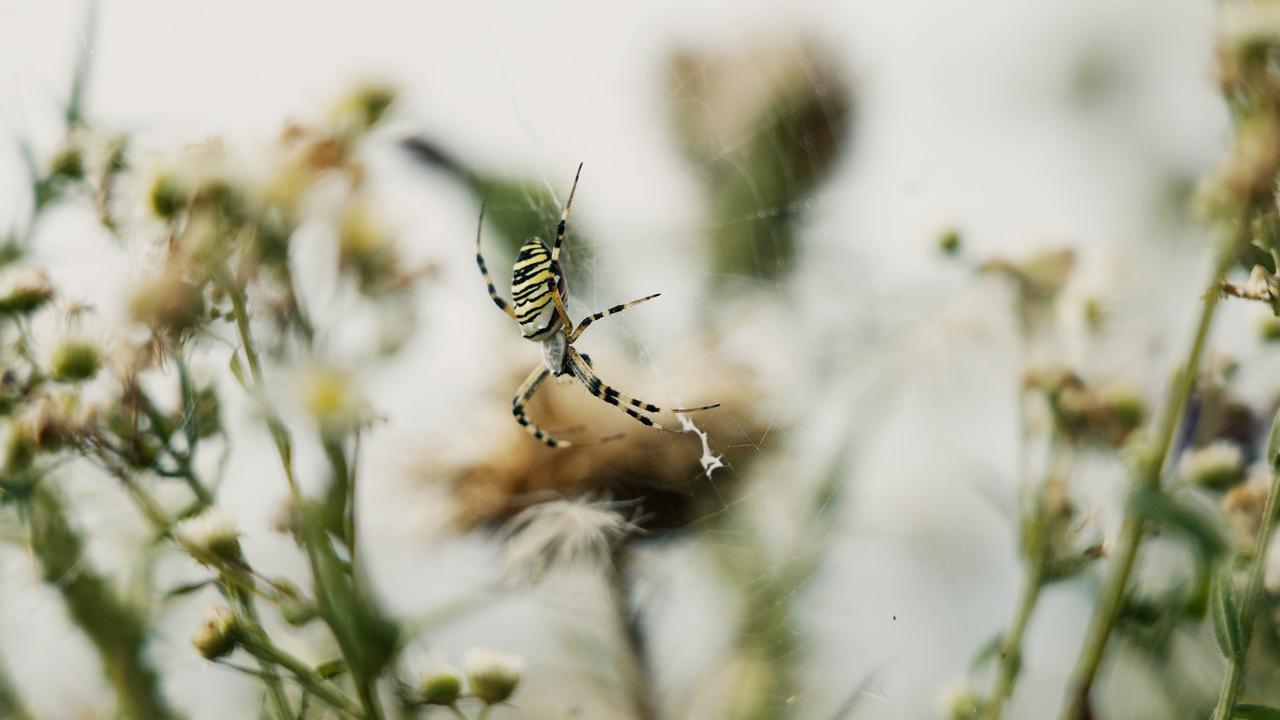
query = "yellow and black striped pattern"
{"x": 532, "y": 279}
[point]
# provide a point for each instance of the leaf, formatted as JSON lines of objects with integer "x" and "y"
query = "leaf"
{"x": 188, "y": 588}
{"x": 1226, "y": 615}
{"x": 330, "y": 669}
{"x": 237, "y": 369}
{"x": 1158, "y": 506}
{"x": 1256, "y": 712}
{"x": 986, "y": 653}
{"x": 1273, "y": 442}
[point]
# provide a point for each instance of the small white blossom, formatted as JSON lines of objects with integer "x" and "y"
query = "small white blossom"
{"x": 24, "y": 288}
{"x": 958, "y": 701}
{"x": 560, "y": 533}
{"x": 332, "y": 397}
{"x": 493, "y": 675}
{"x": 1218, "y": 464}
{"x": 211, "y": 533}
{"x": 437, "y": 683}
{"x": 68, "y": 342}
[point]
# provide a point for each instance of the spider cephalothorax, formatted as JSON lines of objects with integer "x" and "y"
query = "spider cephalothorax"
{"x": 538, "y": 293}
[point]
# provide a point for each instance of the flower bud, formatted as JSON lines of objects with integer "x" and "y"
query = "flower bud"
{"x": 1217, "y": 465}
{"x": 216, "y": 636}
{"x": 492, "y": 675}
{"x": 211, "y": 534}
{"x": 440, "y": 684}
{"x": 958, "y": 701}
{"x": 365, "y": 107}
{"x": 24, "y": 290}
{"x": 294, "y": 608}
{"x": 74, "y": 360}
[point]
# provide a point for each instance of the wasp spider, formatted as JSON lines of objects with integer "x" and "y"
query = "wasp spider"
{"x": 538, "y": 295}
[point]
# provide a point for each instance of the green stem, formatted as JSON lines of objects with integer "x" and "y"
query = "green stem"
{"x": 279, "y": 433}
{"x": 11, "y": 705}
{"x": 331, "y": 590}
{"x": 637, "y": 679}
{"x": 239, "y": 583}
{"x": 1011, "y": 644}
{"x": 255, "y": 641}
{"x": 116, "y": 630}
{"x": 1225, "y": 709}
{"x": 1111, "y": 601}
{"x": 275, "y": 688}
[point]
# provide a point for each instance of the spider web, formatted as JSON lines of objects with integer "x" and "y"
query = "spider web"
{"x": 883, "y": 476}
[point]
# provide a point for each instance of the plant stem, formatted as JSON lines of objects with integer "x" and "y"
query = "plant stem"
{"x": 256, "y": 642}
{"x": 116, "y": 630}
{"x": 275, "y": 688}
{"x": 331, "y": 590}
{"x": 637, "y": 679}
{"x": 1075, "y": 706}
{"x": 238, "y": 584}
{"x": 278, "y": 431}
{"x": 1252, "y": 596}
{"x": 1011, "y": 644}
{"x": 11, "y": 705}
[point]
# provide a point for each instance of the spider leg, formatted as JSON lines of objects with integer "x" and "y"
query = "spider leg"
{"x": 606, "y": 313}
{"x": 523, "y": 394}
{"x": 610, "y": 395}
{"x": 558, "y": 299}
{"x": 484, "y": 271}
{"x": 564, "y": 217}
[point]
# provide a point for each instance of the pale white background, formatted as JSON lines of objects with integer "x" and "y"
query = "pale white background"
{"x": 968, "y": 115}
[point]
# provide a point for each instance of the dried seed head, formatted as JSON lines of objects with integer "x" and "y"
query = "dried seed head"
{"x": 662, "y": 474}
{"x": 560, "y": 533}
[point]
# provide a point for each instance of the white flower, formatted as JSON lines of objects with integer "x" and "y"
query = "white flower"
{"x": 67, "y": 342}
{"x": 211, "y": 533}
{"x": 1218, "y": 464}
{"x": 493, "y": 675}
{"x": 331, "y": 396}
{"x": 437, "y": 683}
{"x": 23, "y": 289}
{"x": 958, "y": 701}
{"x": 559, "y": 533}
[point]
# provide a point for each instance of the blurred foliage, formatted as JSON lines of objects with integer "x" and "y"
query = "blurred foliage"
{"x": 763, "y": 129}
{"x": 515, "y": 208}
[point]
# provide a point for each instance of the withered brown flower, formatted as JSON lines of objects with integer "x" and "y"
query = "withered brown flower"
{"x": 660, "y": 472}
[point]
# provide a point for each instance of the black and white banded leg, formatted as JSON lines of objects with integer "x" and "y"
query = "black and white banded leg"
{"x": 564, "y": 217}
{"x": 634, "y": 407}
{"x": 488, "y": 280}
{"x": 586, "y": 322}
{"x": 523, "y": 395}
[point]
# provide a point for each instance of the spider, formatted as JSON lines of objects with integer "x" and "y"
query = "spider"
{"x": 538, "y": 294}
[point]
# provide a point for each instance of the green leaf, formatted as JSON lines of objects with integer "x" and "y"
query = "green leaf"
{"x": 331, "y": 669}
{"x": 1256, "y": 712}
{"x": 237, "y": 369}
{"x": 1273, "y": 442}
{"x": 1226, "y": 615}
{"x": 986, "y": 653}
{"x": 1160, "y": 507}
{"x": 188, "y": 588}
